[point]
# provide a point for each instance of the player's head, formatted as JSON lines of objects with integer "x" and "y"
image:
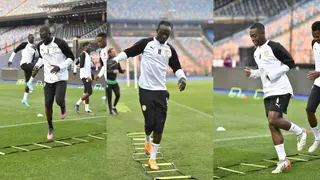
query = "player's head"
{"x": 45, "y": 35}
{"x": 102, "y": 40}
{"x": 257, "y": 34}
{"x": 112, "y": 52}
{"x": 86, "y": 47}
{"x": 163, "y": 31}
{"x": 316, "y": 30}
{"x": 31, "y": 38}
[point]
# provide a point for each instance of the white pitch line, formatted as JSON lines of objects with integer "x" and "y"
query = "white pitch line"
{"x": 192, "y": 109}
{"x": 245, "y": 137}
{"x": 42, "y": 122}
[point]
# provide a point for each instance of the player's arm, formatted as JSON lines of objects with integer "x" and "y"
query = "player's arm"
{"x": 120, "y": 69}
{"x": 67, "y": 52}
{"x": 252, "y": 73}
{"x": 40, "y": 61}
{"x": 15, "y": 51}
{"x": 133, "y": 51}
{"x": 284, "y": 56}
{"x": 102, "y": 70}
{"x": 175, "y": 65}
{"x": 312, "y": 75}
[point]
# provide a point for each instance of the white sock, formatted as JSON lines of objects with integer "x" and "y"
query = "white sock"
{"x": 147, "y": 139}
{"x": 25, "y": 96}
{"x": 30, "y": 80}
{"x": 154, "y": 151}
{"x": 280, "y": 151}
{"x": 86, "y": 107}
{"x": 79, "y": 101}
{"x": 295, "y": 129}
{"x": 316, "y": 133}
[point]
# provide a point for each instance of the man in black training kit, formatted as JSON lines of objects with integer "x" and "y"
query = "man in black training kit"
{"x": 157, "y": 53}
{"x": 55, "y": 55}
{"x": 86, "y": 77}
{"x": 274, "y": 61}
{"x": 28, "y": 50}
{"x": 113, "y": 68}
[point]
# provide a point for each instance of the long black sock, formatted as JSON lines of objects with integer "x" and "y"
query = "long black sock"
{"x": 50, "y": 124}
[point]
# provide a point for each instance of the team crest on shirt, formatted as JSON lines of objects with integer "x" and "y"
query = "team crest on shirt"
{"x": 266, "y": 53}
{"x": 144, "y": 107}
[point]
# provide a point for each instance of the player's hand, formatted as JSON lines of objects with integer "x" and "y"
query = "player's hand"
{"x": 248, "y": 71}
{"x": 96, "y": 77}
{"x": 182, "y": 83}
{"x": 36, "y": 68}
{"x": 116, "y": 71}
{"x": 9, "y": 63}
{"x": 89, "y": 79}
{"x": 55, "y": 69}
{"x": 124, "y": 71}
{"x": 312, "y": 75}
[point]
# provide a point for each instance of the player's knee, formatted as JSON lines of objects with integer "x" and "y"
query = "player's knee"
{"x": 149, "y": 127}
{"x": 117, "y": 95}
{"x": 89, "y": 92}
{"x": 60, "y": 101}
{"x": 48, "y": 105}
{"x": 310, "y": 110}
{"x": 272, "y": 118}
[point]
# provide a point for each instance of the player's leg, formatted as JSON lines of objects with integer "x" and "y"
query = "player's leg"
{"x": 86, "y": 97}
{"x": 160, "y": 116}
{"x": 116, "y": 90}
{"x": 27, "y": 74}
{"x": 61, "y": 89}
{"x": 33, "y": 75}
{"x": 312, "y": 105}
{"x": 109, "y": 97}
{"x": 277, "y": 139}
{"x": 85, "y": 94}
{"x": 49, "y": 93}
{"x": 278, "y": 105}
{"x": 148, "y": 110}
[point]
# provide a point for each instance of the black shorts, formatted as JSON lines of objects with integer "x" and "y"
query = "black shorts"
{"x": 314, "y": 99}
{"x": 154, "y": 106}
{"x": 87, "y": 86}
{"x": 277, "y": 103}
{"x": 55, "y": 90}
{"x": 27, "y": 68}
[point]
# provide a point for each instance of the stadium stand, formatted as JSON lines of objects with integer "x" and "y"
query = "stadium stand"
{"x": 278, "y": 29}
{"x": 192, "y": 9}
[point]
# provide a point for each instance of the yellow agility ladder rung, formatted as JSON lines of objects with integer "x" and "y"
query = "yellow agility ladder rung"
{"x": 172, "y": 177}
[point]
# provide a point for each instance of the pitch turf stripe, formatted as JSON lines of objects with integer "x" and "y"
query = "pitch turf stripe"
{"x": 192, "y": 109}
{"x": 44, "y": 122}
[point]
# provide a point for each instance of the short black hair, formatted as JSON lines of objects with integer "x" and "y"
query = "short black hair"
{"x": 316, "y": 26}
{"x": 102, "y": 34}
{"x": 109, "y": 50}
{"x": 85, "y": 44}
{"x": 166, "y": 23}
{"x": 45, "y": 28}
{"x": 258, "y": 26}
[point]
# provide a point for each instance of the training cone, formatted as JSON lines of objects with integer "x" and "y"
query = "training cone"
{"x": 221, "y": 129}
{"x": 39, "y": 115}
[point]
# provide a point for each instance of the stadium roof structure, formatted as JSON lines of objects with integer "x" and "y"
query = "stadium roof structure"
{"x": 73, "y": 4}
